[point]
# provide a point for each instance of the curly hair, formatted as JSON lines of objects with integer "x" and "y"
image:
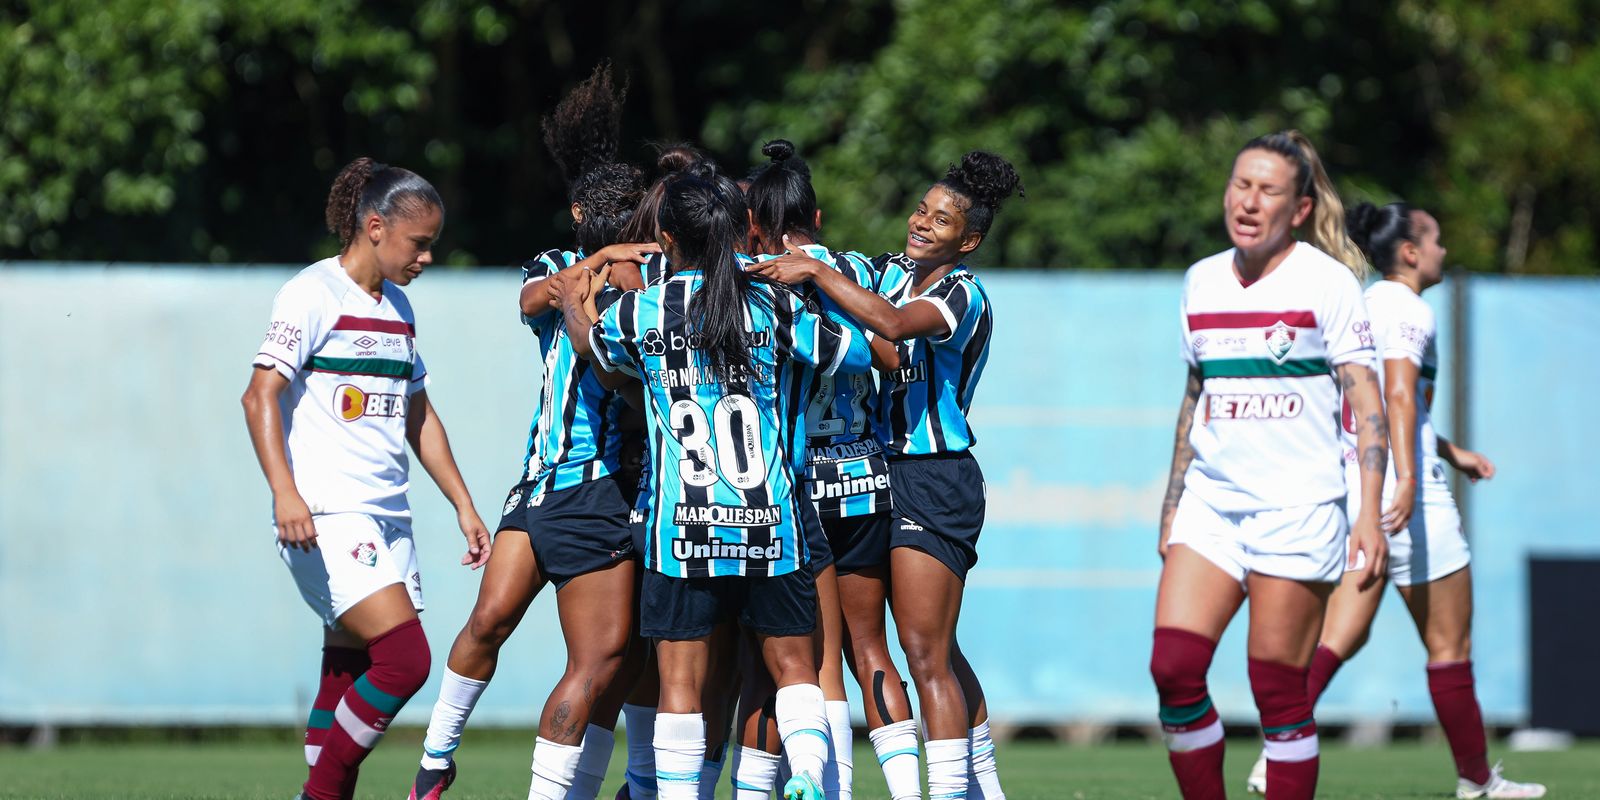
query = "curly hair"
{"x": 985, "y": 180}
{"x": 582, "y": 132}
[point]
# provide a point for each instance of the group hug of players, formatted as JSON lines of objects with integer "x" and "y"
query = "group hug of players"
{"x": 750, "y": 446}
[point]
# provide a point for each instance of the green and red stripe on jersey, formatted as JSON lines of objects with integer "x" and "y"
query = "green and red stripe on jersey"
{"x": 1257, "y": 367}
{"x": 376, "y": 367}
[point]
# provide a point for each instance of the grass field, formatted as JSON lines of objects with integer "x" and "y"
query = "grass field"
{"x": 496, "y": 766}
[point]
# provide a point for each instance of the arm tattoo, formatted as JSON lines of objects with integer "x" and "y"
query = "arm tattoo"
{"x": 1182, "y": 451}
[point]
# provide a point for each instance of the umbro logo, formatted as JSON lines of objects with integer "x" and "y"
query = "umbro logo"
{"x": 366, "y": 342}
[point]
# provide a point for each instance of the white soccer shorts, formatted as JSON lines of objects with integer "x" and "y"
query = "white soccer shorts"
{"x": 356, "y": 555}
{"x": 1433, "y": 545}
{"x": 1302, "y": 543}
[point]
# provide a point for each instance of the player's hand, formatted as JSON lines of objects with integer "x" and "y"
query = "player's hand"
{"x": 478, "y": 542}
{"x": 1398, "y": 515}
{"x": 636, "y": 252}
{"x": 597, "y": 281}
{"x": 575, "y": 291}
{"x": 793, "y": 267}
{"x": 1368, "y": 542}
{"x": 293, "y": 516}
{"x": 1476, "y": 466}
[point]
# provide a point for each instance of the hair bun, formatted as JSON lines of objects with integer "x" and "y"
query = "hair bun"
{"x": 676, "y": 158}
{"x": 1361, "y": 222}
{"x": 778, "y": 150}
{"x": 987, "y": 178}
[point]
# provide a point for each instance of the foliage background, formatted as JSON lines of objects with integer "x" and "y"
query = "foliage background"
{"x": 209, "y": 130}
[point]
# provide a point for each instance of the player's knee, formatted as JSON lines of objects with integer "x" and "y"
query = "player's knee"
{"x": 1179, "y": 660}
{"x": 489, "y": 625}
{"x": 926, "y": 655}
{"x": 1446, "y": 649}
{"x": 405, "y": 661}
{"x": 1279, "y": 689}
{"x": 597, "y": 668}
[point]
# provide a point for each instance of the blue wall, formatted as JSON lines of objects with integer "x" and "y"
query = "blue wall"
{"x": 139, "y": 580}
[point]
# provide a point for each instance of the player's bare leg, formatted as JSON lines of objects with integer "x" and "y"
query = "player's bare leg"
{"x": 1442, "y": 611}
{"x": 1285, "y": 620}
{"x": 800, "y": 711}
{"x": 863, "y": 598}
{"x": 926, "y": 601}
{"x": 510, "y": 581}
{"x": 1194, "y": 603}
{"x": 596, "y": 623}
{"x": 838, "y": 775}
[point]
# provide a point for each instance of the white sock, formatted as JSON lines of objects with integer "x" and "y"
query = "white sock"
{"x": 803, "y": 728}
{"x": 947, "y": 769}
{"x": 983, "y": 777}
{"x": 554, "y": 767}
{"x": 840, "y": 770}
{"x": 711, "y": 772}
{"x": 640, "y": 727}
{"x": 597, "y": 746}
{"x": 896, "y": 746}
{"x": 755, "y": 774}
{"x": 457, "y": 696}
{"x": 680, "y": 751}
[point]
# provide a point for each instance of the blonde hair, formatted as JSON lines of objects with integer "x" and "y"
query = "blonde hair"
{"x": 1326, "y": 228}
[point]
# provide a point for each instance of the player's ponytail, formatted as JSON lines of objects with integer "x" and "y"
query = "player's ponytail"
{"x": 367, "y": 187}
{"x": 1326, "y": 229}
{"x": 1379, "y": 230}
{"x": 581, "y": 135}
{"x": 780, "y": 195}
{"x": 706, "y": 215}
{"x": 984, "y": 180}
{"x": 644, "y": 225}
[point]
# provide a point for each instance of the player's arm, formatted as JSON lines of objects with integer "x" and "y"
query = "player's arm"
{"x": 425, "y": 432}
{"x": 1400, "y": 400}
{"x": 540, "y": 294}
{"x": 885, "y": 356}
{"x": 579, "y": 313}
{"x": 264, "y": 418}
{"x": 896, "y": 323}
{"x": 1182, "y": 456}
{"x": 1360, "y": 386}
{"x": 1476, "y": 466}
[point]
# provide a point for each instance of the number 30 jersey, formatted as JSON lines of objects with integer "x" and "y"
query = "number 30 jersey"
{"x": 721, "y": 498}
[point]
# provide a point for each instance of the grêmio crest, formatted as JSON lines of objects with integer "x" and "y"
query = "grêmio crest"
{"x": 1280, "y": 340}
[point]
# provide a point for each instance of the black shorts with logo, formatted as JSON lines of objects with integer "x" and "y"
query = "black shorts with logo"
{"x": 573, "y": 531}
{"x": 859, "y": 542}
{"x": 688, "y": 608}
{"x": 818, "y": 549}
{"x": 938, "y": 507}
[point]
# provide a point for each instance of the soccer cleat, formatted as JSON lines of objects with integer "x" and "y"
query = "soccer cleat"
{"x": 1498, "y": 788}
{"x": 803, "y": 787}
{"x": 1257, "y": 782}
{"x": 431, "y": 783}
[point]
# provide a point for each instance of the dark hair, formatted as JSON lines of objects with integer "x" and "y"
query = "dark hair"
{"x": 581, "y": 135}
{"x": 645, "y": 224}
{"x": 1311, "y": 180}
{"x": 1379, "y": 230}
{"x": 366, "y": 187}
{"x": 780, "y": 195}
{"x": 705, "y": 213}
{"x": 984, "y": 180}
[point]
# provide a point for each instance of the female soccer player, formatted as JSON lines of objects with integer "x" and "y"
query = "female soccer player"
{"x": 846, "y": 480}
{"x": 1428, "y": 556}
{"x": 938, "y": 313}
{"x": 721, "y": 535}
{"x": 566, "y": 519}
{"x": 338, "y": 390}
{"x": 1254, "y": 499}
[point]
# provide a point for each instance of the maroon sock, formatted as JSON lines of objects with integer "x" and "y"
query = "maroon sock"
{"x": 1178, "y": 662}
{"x": 340, "y": 668}
{"x": 1324, "y": 663}
{"x": 1290, "y": 731}
{"x": 400, "y": 662}
{"x": 1455, "y": 700}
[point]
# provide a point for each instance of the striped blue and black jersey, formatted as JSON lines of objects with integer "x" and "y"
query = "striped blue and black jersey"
{"x": 923, "y": 404}
{"x": 844, "y": 467}
{"x": 721, "y": 495}
{"x": 574, "y": 437}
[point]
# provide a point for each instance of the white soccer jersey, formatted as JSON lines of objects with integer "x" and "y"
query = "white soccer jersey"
{"x": 1403, "y": 326}
{"x": 352, "y": 366}
{"x": 1266, "y": 432}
